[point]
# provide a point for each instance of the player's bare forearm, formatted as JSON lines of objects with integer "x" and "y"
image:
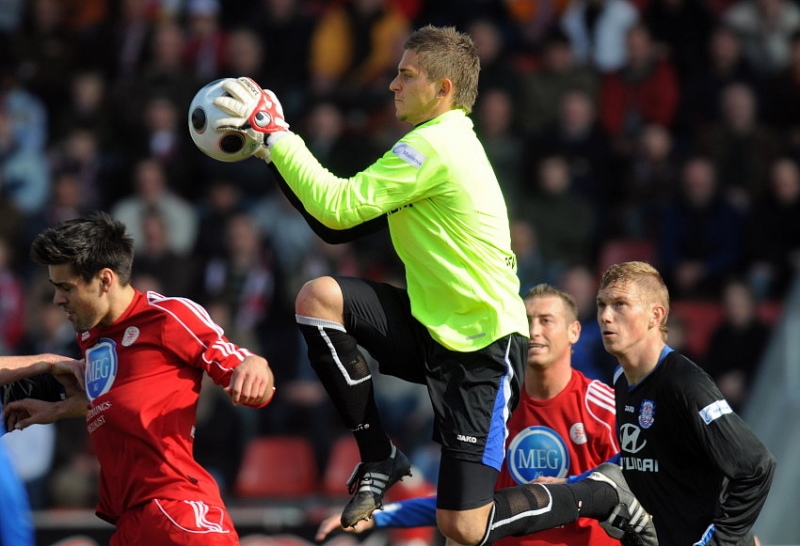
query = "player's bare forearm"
{"x": 16, "y": 367}
{"x": 75, "y": 405}
{"x": 252, "y": 382}
{"x": 70, "y": 373}
{"x": 24, "y": 413}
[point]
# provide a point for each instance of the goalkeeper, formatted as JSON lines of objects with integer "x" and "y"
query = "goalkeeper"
{"x": 459, "y": 326}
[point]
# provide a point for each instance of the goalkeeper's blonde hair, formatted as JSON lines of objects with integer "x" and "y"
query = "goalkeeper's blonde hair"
{"x": 444, "y": 52}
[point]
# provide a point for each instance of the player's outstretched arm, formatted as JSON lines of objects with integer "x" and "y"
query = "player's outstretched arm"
{"x": 252, "y": 383}
{"x": 334, "y": 523}
{"x": 30, "y": 411}
{"x": 71, "y": 374}
{"x": 14, "y": 368}
{"x": 330, "y": 236}
{"x": 415, "y": 512}
{"x": 258, "y": 114}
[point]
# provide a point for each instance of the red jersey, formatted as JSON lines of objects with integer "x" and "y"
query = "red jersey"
{"x": 579, "y": 434}
{"x": 143, "y": 377}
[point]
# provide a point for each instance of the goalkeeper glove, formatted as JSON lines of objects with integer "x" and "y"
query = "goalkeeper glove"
{"x": 256, "y": 113}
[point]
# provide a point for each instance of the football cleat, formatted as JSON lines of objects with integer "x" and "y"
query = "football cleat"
{"x": 369, "y": 482}
{"x": 629, "y": 522}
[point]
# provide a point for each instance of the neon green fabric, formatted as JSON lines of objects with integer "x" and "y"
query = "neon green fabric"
{"x": 448, "y": 223}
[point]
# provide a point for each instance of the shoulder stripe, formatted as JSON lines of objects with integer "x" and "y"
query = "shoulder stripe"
{"x": 600, "y": 394}
{"x": 600, "y": 404}
{"x": 174, "y": 306}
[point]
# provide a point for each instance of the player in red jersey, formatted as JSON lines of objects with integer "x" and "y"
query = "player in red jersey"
{"x": 563, "y": 426}
{"x": 145, "y": 357}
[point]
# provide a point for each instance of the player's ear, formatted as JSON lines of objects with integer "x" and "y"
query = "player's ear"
{"x": 574, "y": 332}
{"x": 657, "y": 316}
{"x": 445, "y": 87}
{"x": 106, "y": 277}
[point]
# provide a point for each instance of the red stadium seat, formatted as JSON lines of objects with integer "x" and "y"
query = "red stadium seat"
{"x": 275, "y": 540}
{"x": 770, "y": 311}
{"x": 277, "y": 467}
{"x": 343, "y": 458}
{"x": 617, "y": 251}
{"x": 700, "y": 319}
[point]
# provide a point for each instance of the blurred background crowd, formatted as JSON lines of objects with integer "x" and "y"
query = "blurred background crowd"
{"x": 663, "y": 130}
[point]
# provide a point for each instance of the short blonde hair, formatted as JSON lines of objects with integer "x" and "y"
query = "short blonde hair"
{"x": 545, "y": 290}
{"x": 646, "y": 278}
{"x": 444, "y": 52}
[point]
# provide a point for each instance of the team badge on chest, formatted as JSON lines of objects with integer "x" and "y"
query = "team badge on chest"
{"x": 101, "y": 368}
{"x": 647, "y": 413}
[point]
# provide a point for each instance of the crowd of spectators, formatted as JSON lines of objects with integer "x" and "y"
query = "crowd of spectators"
{"x": 675, "y": 123}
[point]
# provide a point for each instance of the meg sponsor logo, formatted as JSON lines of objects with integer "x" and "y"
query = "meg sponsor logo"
{"x": 535, "y": 452}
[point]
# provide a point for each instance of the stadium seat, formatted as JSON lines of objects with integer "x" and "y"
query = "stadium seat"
{"x": 342, "y": 459}
{"x": 277, "y": 467}
{"x": 700, "y": 319}
{"x": 275, "y": 540}
{"x": 770, "y": 311}
{"x": 625, "y": 250}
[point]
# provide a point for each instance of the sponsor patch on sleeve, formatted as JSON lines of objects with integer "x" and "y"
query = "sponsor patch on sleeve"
{"x": 715, "y": 410}
{"x": 413, "y": 157}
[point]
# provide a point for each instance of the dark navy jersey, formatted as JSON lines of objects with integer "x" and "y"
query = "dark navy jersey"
{"x": 690, "y": 460}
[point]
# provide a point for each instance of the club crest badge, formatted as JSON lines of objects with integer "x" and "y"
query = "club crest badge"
{"x": 577, "y": 433}
{"x": 131, "y": 334}
{"x": 647, "y": 413}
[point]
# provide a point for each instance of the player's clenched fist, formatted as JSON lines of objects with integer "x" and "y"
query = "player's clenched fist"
{"x": 255, "y": 112}
{"x": 251, "y": 383}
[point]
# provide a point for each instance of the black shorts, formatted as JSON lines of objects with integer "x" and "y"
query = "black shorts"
{"x": 472, "y": 393}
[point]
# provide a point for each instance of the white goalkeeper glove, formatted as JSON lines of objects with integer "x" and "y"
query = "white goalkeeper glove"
{"x": 256, "y": 113}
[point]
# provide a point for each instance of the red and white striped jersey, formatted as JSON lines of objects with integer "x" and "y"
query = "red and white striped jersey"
{"x": 143, "y": 377}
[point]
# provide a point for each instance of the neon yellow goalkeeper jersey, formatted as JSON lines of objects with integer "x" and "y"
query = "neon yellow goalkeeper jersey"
{"x": 448, "y": 223}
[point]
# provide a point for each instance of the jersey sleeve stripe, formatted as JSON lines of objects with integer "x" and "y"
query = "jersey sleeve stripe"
{"x": 600, "y": 404}
{"x": 226, "y": 348}
{"x": 601, "y": 395}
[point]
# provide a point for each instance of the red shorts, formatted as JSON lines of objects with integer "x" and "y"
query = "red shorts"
{"x": 178, "y": 522}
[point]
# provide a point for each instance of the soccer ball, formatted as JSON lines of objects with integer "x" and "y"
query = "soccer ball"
{"x": 228, "y": 146}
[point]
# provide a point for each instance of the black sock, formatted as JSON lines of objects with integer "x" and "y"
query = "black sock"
{"x": 596, "y": 499}
{"x": 529, "y": 508}
{"x": 345, "y": 374}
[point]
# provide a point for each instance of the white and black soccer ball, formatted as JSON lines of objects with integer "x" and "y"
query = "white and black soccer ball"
{"x": 228, "y": 146}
